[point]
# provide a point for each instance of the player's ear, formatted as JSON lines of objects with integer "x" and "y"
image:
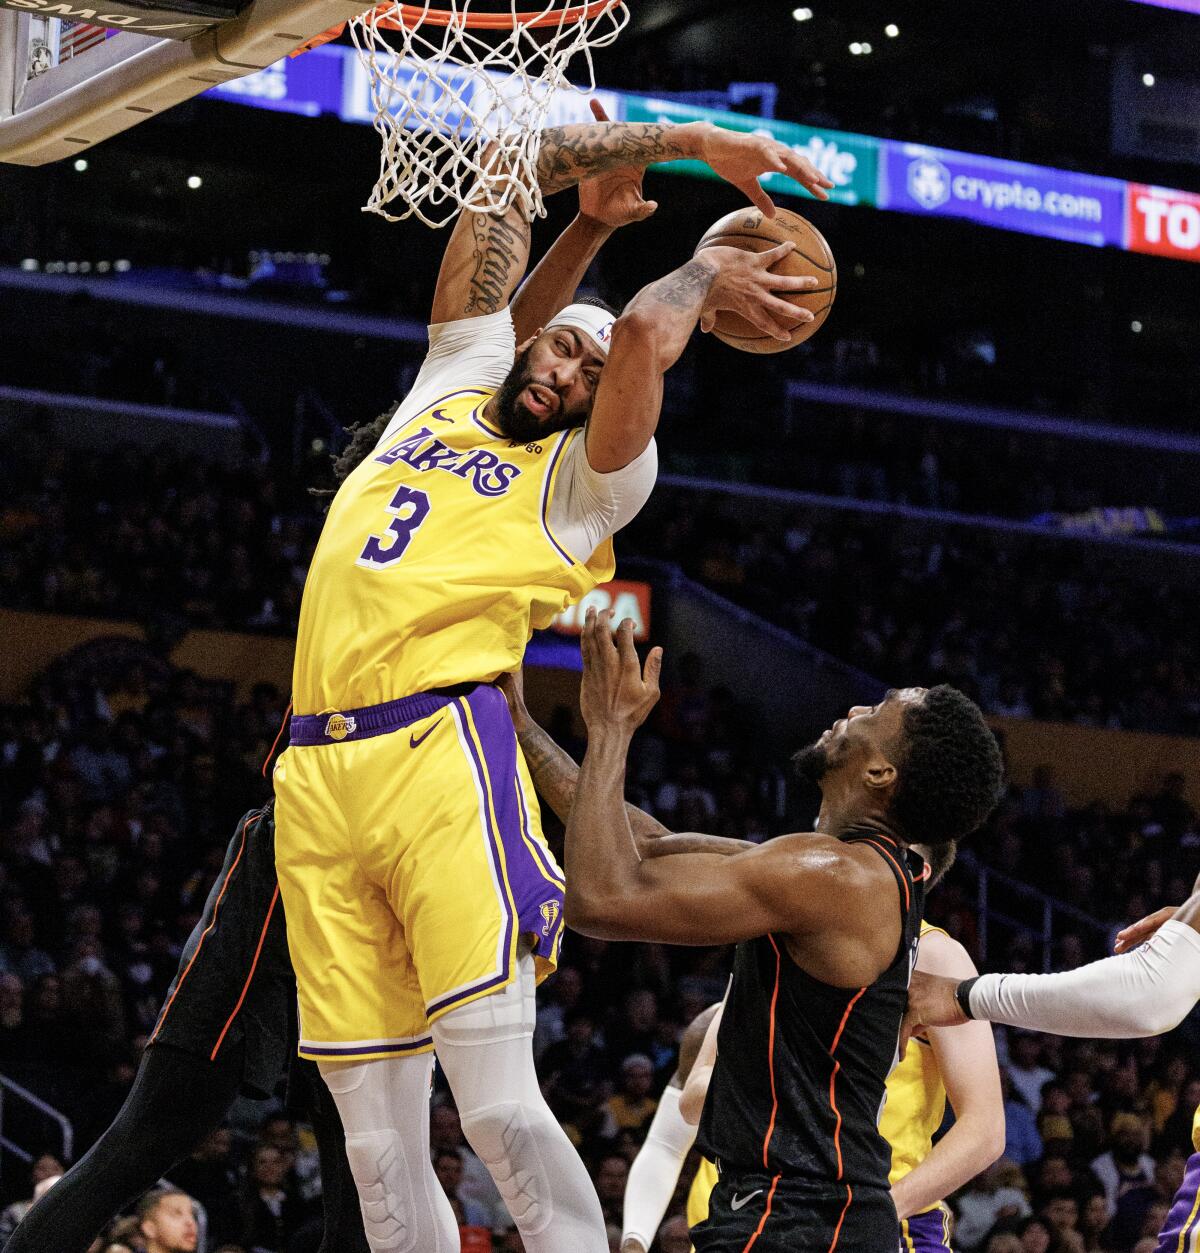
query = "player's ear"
{"x": 529, "y": 342}
{"x": 879, "y": 773}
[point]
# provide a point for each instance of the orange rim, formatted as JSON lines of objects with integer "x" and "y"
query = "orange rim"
{"x": 418, "y": 15}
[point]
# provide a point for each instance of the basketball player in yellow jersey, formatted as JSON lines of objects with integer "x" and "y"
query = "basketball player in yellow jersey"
{"x": 934, "y": 1066}
{"x": 422, "y": 901}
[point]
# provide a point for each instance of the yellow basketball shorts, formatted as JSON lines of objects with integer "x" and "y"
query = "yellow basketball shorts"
{"x": 411, "y": 860}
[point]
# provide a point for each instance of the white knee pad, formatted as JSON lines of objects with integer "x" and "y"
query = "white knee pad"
{"x": 384, "y": 1106}
{"x": 486, "y": 1050}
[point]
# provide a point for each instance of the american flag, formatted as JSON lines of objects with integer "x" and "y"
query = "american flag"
{"x": 77, "y": 37}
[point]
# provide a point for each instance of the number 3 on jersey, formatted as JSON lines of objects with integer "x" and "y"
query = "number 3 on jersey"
{"x": 409, "y": 507}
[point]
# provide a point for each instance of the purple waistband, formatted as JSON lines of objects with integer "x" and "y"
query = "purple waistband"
{"x": 336, "y": 727}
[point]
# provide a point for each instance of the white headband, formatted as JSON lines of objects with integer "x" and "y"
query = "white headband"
{"x": 590, "y": 319}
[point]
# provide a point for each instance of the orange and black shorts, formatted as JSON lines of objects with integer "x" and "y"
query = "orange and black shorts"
{"x": 234, "y": 986}
{"x": 752, "y": 1212}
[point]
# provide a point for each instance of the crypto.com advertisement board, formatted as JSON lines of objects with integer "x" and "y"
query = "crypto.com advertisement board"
{"x": 1032, "y": 199}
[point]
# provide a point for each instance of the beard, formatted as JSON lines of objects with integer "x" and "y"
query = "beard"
{"x": 812, "y": 762}
{"x": 515, "y": 420}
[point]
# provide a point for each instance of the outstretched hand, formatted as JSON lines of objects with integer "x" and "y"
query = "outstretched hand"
{"x": 617, "y": 692}
{"x": 741, "y": 159}
{"x": 614, "y": 198}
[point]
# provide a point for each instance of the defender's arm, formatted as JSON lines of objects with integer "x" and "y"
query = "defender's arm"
{"x": 794, "y": 885}
{"x": 556, "y": 774}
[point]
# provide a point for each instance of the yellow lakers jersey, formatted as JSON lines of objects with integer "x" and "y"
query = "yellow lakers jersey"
{"x": 915, "y": 1106}
{"x": 1196, "y": 1129}
{"x": 436, "y": 562}
{"x": 698, "y": 1194}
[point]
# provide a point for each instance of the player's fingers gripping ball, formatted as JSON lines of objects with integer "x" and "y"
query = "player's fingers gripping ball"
{"x": 810, "y": 257}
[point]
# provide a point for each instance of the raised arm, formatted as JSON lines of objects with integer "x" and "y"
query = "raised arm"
{"x": 607, "y": 202}
{"x": 654, "y": 329}
{"x": 555, "y": 774}
{"x": 487, "y": 253}
{"x": 967, "y": 1061}
{"x": 794, "y": 884}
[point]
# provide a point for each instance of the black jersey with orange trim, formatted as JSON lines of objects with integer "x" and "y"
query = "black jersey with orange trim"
{"x": 235, "y": 980}
{"x": 801, "y": 1066}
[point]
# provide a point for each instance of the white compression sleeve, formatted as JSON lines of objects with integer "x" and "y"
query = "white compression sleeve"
{"x": 1142, "y": 993}
{"x": 384, "y": 1107}
{"x": 486, "y": 1049}
{"x": 655, "y": 1170}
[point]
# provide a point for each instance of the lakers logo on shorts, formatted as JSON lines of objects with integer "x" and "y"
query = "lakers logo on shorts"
{"x": 549, "y": 911}
{"x": 339, "y": 726}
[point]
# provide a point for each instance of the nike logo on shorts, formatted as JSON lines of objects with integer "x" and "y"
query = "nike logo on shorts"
{"x": 739, "y": 1201}
{"x": 415, "y": 741}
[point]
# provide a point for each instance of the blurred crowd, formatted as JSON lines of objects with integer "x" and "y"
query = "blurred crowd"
{"x": 1055, "y": 631}
{"x": 120, "y": 781}
{"x": 133, "y": 532}
{"x": 1051, "y": 630}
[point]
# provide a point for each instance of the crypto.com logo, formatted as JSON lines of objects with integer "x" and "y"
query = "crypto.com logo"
{"x": 928, "y": 182}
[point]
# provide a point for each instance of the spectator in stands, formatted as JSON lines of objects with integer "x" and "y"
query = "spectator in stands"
{"x": 1022, "y": 1144}
{"x": 1126, "y": 1165}
{"x": 611, "y": 1175}
{"x": 558, "y": 998}
{"x": 476, "y": 1185}
{"x": 448, "y": 1167}
{"x": 1025, "y": 1071}
{"x": 44, "y": 1174}
{"x": 1141, "y": 1206}
{"x": 632, "y": 1107}
{"x": 986, "y": 1202}
{"x": 166, "y": 1222}
{"x": 673, "y": 1236}
{"x": 18, "y": 952}
{"x": 1060, "y": 1212}
{"x": 210, "y": 1175}
{"x": 271, "y": 1211}
{"x": 575, "y": 1076}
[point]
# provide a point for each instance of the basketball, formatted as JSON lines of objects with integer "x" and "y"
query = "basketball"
{"x": 750, "y": 229}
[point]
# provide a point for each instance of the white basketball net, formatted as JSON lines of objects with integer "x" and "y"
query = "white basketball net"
{"x": 461, "y": 111}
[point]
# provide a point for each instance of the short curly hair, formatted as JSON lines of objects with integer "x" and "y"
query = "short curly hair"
{"x": 951, "y": 773}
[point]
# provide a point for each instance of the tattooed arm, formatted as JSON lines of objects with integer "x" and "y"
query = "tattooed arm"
{"x": 652, "y": 332}
{"x": 571, "y": 153}
{"x": 555, "y": 773}
{"x": 484, "y": 261}
{"x": 487, "y": 253}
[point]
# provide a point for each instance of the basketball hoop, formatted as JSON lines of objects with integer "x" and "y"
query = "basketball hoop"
{"x": 460, "y": 96}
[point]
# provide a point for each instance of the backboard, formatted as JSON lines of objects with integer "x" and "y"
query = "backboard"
{"x": 72, "y": 74}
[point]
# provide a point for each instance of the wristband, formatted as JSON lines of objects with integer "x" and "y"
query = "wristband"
{"x": 963, "y": 995}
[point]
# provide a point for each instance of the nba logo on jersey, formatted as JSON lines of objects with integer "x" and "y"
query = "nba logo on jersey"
{"x": 549, "y": 911}
{"x": 339, "y": 726}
